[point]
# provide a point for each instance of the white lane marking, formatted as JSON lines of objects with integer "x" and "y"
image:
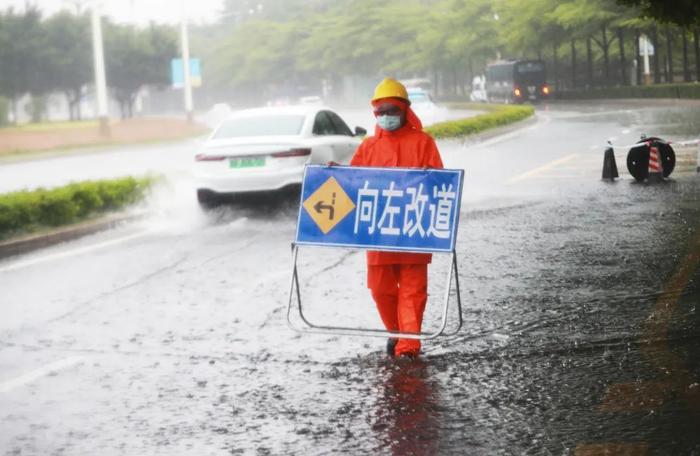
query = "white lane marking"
{"x": 38, "y": 373}
{"x": 541, "y": 121}
{"x": 70, "y": 253}
{"x": 541, "y": 169}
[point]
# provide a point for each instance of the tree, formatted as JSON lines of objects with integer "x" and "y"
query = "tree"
{"x": 24, "y": 59}
{"x": 680, "y": 12}
{"x": 136, "y": 58}
{"x": 531, "y": 28}
{"x": 593, "y": 21}
{"x": 71, "y": 57}
{"x": 466, "y": 25}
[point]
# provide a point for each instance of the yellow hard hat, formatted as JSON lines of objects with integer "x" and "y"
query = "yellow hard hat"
{"x": 390, "y": 88}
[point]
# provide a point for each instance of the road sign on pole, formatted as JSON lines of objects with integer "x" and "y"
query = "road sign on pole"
{"x": 177, "y": 73}
{"x": 646, "y": 49}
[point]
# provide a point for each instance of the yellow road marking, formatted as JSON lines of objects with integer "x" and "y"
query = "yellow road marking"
{"x": 635, "y": 397}
{"x": 612, "y": 449}
{"x": 542, "y": 169}
{"x": 644, "y": 396}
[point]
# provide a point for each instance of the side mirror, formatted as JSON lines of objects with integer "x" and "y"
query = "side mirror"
{"x": 359, "y": 131}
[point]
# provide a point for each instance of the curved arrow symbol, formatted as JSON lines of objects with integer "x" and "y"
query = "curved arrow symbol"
{"x": 319, "y": 206}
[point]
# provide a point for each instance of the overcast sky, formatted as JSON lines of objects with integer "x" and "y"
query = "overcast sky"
{"x": 133, "y": 11}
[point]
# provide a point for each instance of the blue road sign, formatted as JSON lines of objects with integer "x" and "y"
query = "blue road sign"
{"x": 177, "y": 73}
{"x": 396, "y": 209}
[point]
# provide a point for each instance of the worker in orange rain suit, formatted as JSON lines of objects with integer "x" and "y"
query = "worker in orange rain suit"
{"x": 398, "y": 281}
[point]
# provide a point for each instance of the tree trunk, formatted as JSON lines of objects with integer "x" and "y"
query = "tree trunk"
{"x": 455, "y": 83}
{"x": 470, "y": 68}
{"x": 555, "y": 63}
{"x": 122, "y": 108}
{"x": 573, "y": 64}
{"x": 623, "y": 63}
{"x": 686, "y": 66}
{"x": 606, "y": 57}
{"x": 436, "y": 83}
{"x": 657, "y": 69}
{"x": 589, "y": 57}
{"x": 71, "y": 99}
{"x": 640, "y": 62}
{"x": 669, "y": 55}
{"x": 13, "y": 109}
{"x": 696, "y": 39}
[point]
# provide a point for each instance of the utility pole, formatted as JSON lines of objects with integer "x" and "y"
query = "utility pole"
{"x": 99, "y": 64}
{"x": 187, "y": 80}
{"x": 645, "y": 53}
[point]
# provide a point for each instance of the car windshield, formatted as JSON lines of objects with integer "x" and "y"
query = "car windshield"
{"x": 266, "y": 125}
{"x": 418, "y": 97}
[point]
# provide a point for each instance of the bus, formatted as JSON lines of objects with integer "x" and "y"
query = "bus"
{"x": 517, "y": 81}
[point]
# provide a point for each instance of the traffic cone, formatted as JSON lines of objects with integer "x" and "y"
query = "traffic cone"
{"x": 656, "y": 171}
{"x": 609, "y": 165}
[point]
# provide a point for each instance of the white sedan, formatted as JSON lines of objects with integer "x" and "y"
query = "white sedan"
{"x": 424, "y": 107}
{"x": 266, "y": 149}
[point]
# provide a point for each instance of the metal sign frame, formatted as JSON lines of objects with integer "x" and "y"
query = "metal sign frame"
{"x": 310, "y": 327}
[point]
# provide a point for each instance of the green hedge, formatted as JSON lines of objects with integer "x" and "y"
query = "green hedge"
{"x": 499, "y": 115}
{"x": 691, "y": 90}
{"x": 25, "y": 211}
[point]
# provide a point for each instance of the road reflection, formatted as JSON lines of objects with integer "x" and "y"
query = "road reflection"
{"x": 407, "y": 411}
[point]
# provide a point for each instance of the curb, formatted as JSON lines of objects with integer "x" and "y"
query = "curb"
{"x": 29, "y": 243}
{"x": 86, "y": 149}
{"x": 493, "y": 132}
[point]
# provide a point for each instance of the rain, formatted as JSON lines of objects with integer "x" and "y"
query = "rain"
{"x": 169, "y": 327}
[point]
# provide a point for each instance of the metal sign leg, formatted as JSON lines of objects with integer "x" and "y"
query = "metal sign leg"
{"x": 309, "y": 327}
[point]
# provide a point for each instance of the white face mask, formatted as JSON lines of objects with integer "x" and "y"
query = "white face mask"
{"x": 389, "y": 123}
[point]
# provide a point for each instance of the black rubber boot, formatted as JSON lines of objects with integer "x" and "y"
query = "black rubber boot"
{"x": 391, "y": 345}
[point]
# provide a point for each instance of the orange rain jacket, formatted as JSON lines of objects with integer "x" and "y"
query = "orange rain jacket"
{"x": 407, "y": 147}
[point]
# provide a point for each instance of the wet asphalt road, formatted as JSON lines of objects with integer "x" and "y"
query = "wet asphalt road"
{"x": 169, "y": 336}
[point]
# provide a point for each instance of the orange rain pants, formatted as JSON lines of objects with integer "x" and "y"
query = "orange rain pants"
{"x": 397, "y": 280}
{"x": 400, "y": 292}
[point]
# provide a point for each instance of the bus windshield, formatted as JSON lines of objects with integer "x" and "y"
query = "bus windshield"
{"x": 530, "y": 72}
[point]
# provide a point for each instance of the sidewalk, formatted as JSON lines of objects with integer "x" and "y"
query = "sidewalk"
{"x": 17, "y": 141}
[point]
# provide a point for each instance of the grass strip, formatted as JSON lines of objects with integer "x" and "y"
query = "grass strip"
{"x": 27, "y": 211}
{"x": 497, "y": 116}
{"x": 51, "y": 126}
{"x": 679, "y": 91}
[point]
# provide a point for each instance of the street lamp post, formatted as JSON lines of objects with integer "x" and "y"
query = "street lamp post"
{"x": 100, "y": 78}
{"x": 646, "y": 50}
{"x": 187, "y": 80}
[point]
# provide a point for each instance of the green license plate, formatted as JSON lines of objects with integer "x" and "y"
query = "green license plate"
{"x": 246, "y": 162}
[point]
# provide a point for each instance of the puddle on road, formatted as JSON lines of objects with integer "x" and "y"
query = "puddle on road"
{"x": 556, "y": 293}
{"x": 672, "y": 123}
